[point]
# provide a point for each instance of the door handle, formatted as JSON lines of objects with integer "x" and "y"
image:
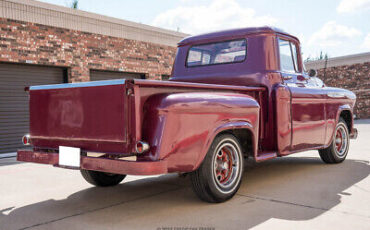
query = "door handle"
{"x": 302, "y": 78}
{"x": 287, "y": 77}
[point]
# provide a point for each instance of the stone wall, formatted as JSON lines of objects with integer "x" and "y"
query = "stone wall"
{"x": 25, "y": 42}
{"x": 355, "y": 77}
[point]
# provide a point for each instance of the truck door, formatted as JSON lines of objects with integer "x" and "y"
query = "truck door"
{"x": 307, "y": 100}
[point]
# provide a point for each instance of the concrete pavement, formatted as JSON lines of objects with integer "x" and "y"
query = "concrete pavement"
{"x": 295, "y": 192}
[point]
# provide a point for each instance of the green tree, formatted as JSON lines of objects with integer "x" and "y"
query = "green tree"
{"x": 321, "y": 56}
{"x": 74, "y": 4}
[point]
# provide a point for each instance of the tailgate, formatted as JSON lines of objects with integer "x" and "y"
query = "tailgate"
{"x": 90, "y": 115}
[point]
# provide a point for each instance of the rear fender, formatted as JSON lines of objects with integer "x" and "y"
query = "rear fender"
{"x": 230, "y": 127}
{"x": 181, "y": 127}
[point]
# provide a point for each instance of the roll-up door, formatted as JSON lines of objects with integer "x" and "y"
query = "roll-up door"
{"x": 97, "y": 75}
{"x": 14, "y": 117}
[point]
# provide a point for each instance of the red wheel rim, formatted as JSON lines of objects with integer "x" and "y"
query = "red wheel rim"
{"x": 224, "y": 165}
{"x": 227, "y": 166}
{"x": 339, "y": 140}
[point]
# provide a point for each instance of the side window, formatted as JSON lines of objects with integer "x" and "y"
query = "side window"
{"x": 288, "y": 56}
{"x": 294, "y": 49}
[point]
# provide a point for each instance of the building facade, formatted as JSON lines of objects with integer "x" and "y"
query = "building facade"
{"x": 38, "y": 33}
{"x": 42, "y": 43}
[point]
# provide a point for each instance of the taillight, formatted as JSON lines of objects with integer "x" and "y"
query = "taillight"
{"x": 26, "y": 139}
{"x": 141, "y": 147}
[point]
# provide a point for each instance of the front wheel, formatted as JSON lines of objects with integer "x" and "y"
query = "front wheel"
{"x": 219, "y": 176}
{"x": 338, "y": 149}
{"x": 101, "y": 179}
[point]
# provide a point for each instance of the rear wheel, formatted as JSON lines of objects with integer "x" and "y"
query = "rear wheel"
{"x": 101, "y": 179}
{"x": 219, "y": 176}
{"x": 338, "y": 149}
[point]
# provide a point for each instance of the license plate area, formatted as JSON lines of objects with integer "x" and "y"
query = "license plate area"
{"x": 69, "y": 156}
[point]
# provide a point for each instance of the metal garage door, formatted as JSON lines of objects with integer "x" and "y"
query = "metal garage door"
{"x": 96, "y": 75}
{"x": 14, "y": 100}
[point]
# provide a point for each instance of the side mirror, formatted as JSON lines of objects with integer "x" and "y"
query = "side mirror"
{"x": 312, "y": 73}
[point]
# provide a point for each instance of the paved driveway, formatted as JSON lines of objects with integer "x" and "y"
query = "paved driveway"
{"x": 297, "y": 192}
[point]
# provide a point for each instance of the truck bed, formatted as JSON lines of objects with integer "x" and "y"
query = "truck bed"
{"x": 102, "y": 116}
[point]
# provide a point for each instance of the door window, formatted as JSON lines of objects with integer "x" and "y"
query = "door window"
{"x": 294, "y": 51}
{"x": 288, "y": 56}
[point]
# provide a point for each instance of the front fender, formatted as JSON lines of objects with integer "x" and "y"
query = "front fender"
{"x": 181, "y": 127}
{"x": 338, "y": 100}
{"x": 345, "y": 107}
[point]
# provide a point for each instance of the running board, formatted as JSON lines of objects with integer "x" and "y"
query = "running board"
{"x": 265, "y": 156}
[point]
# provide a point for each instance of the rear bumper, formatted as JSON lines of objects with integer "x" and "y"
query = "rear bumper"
{"x": 98, "y": 164}
{"x": 353, "y": 134}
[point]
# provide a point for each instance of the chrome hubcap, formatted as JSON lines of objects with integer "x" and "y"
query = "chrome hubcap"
{"x": 226, "y": 165}
{"x": 341, "y": 141}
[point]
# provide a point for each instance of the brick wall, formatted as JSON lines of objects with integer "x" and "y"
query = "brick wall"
{"x": 24, "y": 42}
{"x": 355, "y": 77}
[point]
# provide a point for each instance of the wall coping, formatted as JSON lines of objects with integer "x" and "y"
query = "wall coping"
{"x": 339, "y": 61}
{"x": 64, "y": 17}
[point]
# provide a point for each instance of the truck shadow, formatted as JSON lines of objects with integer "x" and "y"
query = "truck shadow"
{"x": 9, "y": 161}
{"x": 291, "y": 188}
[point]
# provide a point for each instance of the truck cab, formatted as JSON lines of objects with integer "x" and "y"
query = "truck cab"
{"x": 232, "y": 95}
{"x": 294, "y": 102}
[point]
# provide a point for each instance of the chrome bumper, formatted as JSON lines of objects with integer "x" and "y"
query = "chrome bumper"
{"x": 353, "y": 134}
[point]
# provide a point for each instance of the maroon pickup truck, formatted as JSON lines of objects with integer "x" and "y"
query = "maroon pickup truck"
{"x": 232, "y": 94}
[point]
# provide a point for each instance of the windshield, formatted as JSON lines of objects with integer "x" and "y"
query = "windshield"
{"x": 217, "y": 53}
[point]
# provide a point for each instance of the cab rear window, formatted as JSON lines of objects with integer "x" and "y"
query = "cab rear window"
{"x": 217, "y": 53}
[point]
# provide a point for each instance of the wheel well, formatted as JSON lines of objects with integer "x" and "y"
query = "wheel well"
{"x": 245, "y": 139}
{"x": 346, "y": 115}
